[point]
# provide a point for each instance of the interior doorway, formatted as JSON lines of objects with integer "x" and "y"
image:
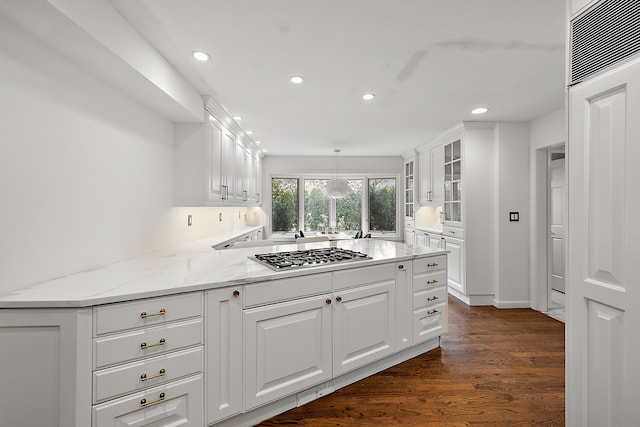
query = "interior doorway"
{"x": 556, "y": 220}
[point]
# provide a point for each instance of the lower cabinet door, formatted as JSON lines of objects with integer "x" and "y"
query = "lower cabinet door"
{"x": 287, "y": 348}
{"x": 364, "y": 325}
{"x": 179, "y": 403}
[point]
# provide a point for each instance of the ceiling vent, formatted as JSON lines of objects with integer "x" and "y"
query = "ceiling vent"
{"x": 605, "y": 34}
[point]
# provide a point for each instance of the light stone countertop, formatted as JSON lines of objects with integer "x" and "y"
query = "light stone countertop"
{"x": 189, "y": 267}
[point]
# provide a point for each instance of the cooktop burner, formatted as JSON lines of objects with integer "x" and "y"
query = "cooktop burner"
{"x": 308, "y": 258}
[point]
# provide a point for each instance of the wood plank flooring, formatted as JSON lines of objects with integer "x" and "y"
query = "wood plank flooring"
{"x": 496, "y": 367}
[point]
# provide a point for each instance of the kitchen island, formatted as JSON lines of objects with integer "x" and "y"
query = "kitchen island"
{"x": 205, "y": 337}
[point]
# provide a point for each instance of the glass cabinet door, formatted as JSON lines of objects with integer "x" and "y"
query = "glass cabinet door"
{"x": 453, "y": 181}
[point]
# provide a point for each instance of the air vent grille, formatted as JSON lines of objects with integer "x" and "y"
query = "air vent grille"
{"x": 607, "y": 33}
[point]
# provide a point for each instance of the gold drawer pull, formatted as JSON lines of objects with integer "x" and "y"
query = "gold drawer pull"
{"x": 145, "y": 346}
{"x": 433, "y": 298}
{"x": 432, "y": 312}
{"x": 431, "y": 282}
{"x": 144, "y": 377}
{"x": 435, "y": 264}
{"x": 162, "y": 312}
{"x": 144, "y": 402}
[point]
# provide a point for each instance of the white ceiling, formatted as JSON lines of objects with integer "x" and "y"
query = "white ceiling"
{"x": 429, "y": 62}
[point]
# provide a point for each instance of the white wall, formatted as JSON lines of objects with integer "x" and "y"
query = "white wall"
{"x": 85, "y": 172}
{"x": 544, "y": 132}
{"x": 512, "y": 285}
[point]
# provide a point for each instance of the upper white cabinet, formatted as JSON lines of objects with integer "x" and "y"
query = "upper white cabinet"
{"x": 213, "y": 166}
{"x": 410, "y": 169}
{"x": 453, "y": 183}
{"x": 431, "y": 175}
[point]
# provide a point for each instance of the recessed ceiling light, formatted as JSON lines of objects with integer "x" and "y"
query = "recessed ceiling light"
{"x": 258, "y": 142}
{"x": 479, "y": 110}
{"x": 200, "y": 56}
{"x": 368, "y": 96}
{"x": 296, "y": 79}
{"x": 264, "y": 150}
{"x": 237, "y": 117}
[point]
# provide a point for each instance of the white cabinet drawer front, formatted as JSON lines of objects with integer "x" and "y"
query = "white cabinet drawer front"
{"x": 287, "y": 348}
{"x": 364, "y": 275}
{"x": 179, "y": 403}
{"x": 430, "y": 297}
{"x": 458, "y": 233}
{"x": 146, "y": 342}
{"x": 286, "y": 289}
{"x": 135, "y": 376}
{"x": 429, "y": 280}
{"x": 364, "y": 325}
{"x": 429, "y": 322}
{"x": 148, "y": 312}
{"x": 425, "y": 265}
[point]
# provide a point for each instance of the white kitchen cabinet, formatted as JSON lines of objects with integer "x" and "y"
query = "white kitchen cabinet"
{"x": 46, "y": 365}
{"x": 212, "y": 166}
{"x": 429, "y": 301}
{"x": 173, "y": 404}
{"x": 287, "y": 348}
{"x": 409, "y": 233}
{"x": 223, "y": 342}
{"x": 453, "y": 183}
{"x": 404, "y": 300}
{"x": 428, "y": 240}
{"x": 431, "y": 174}
{"x": 363, "y": 325}
{"x": 410, "y": 183}
{"x": 455, "y": 263}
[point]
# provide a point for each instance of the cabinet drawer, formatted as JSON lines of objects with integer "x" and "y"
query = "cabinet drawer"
{"x": 429, "y": 322}
{"x": 458, "y": 233}
{"x": 176, "y": 403}
{"x": 429, "y": 280}
{"x": 424, "y": 265}
{"x": 429, "y": 297}
{"x": 363, "y": 276}
{"x": 150, "y": 372}
{"x": 127, "y": 346}
{"x": 286, "y": 289}
{"x": 153, "y": 311}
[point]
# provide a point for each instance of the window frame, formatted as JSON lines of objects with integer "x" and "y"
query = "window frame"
{"x": 364, "y": 202}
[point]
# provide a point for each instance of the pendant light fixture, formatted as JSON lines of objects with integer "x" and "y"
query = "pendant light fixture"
{"x": 337, "y": 188}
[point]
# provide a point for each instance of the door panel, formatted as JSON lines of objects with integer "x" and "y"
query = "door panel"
{"x": 603, "y": 257}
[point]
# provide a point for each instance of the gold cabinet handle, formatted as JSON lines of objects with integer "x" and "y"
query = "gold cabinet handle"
{"x": 432, "y": 312}
{"x": 433, "y": 298}
{"x": 431, "y": 282}
{"x": 144, "y": 377}
{"x": 401, "y": 267}
{"x": 338, "y": 299}
{"x": 144, "y": 402}
{"x": 145, "y": 346}
{"x": 328, "y": 301}
{"x": 236, "y": 294}
{"x": 162, "y": 312}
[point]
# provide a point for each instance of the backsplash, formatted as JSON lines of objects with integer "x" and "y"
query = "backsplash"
{"x": 429, "y": 217}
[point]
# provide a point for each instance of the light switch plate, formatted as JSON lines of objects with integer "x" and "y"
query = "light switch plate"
{"x": 514, "y": 216}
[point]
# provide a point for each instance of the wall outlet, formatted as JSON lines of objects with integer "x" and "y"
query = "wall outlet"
{"x": 189, "y": 220}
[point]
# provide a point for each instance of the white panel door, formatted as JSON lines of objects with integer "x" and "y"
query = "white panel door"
{"x": 455, "y": 263}
{"x": 363, "y": 326}
{"x": 603, "y": 276}
{"x": 287, "y": 348}
{"x": 558, "y": 218}
{"x": 224, "y": 353}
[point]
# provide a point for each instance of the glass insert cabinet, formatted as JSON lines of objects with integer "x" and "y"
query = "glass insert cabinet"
{"x": 453, "y": 182}
{"x": 408, "y": 189}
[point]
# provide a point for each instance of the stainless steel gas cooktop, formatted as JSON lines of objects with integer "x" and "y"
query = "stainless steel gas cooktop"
{"x": 279, "y": 261}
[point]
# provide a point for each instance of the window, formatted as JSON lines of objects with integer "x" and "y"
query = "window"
{"x": 382, "y": 204}
{"x": 321, "y": 211}
{"x": 284, "y": 204}
{"x": 373, "y": 210}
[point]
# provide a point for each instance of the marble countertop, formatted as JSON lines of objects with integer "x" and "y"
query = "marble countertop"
{"x": 189, "y": 267}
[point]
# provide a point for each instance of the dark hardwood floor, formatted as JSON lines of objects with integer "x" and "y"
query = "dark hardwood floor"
{"x": 496, "y": 367}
